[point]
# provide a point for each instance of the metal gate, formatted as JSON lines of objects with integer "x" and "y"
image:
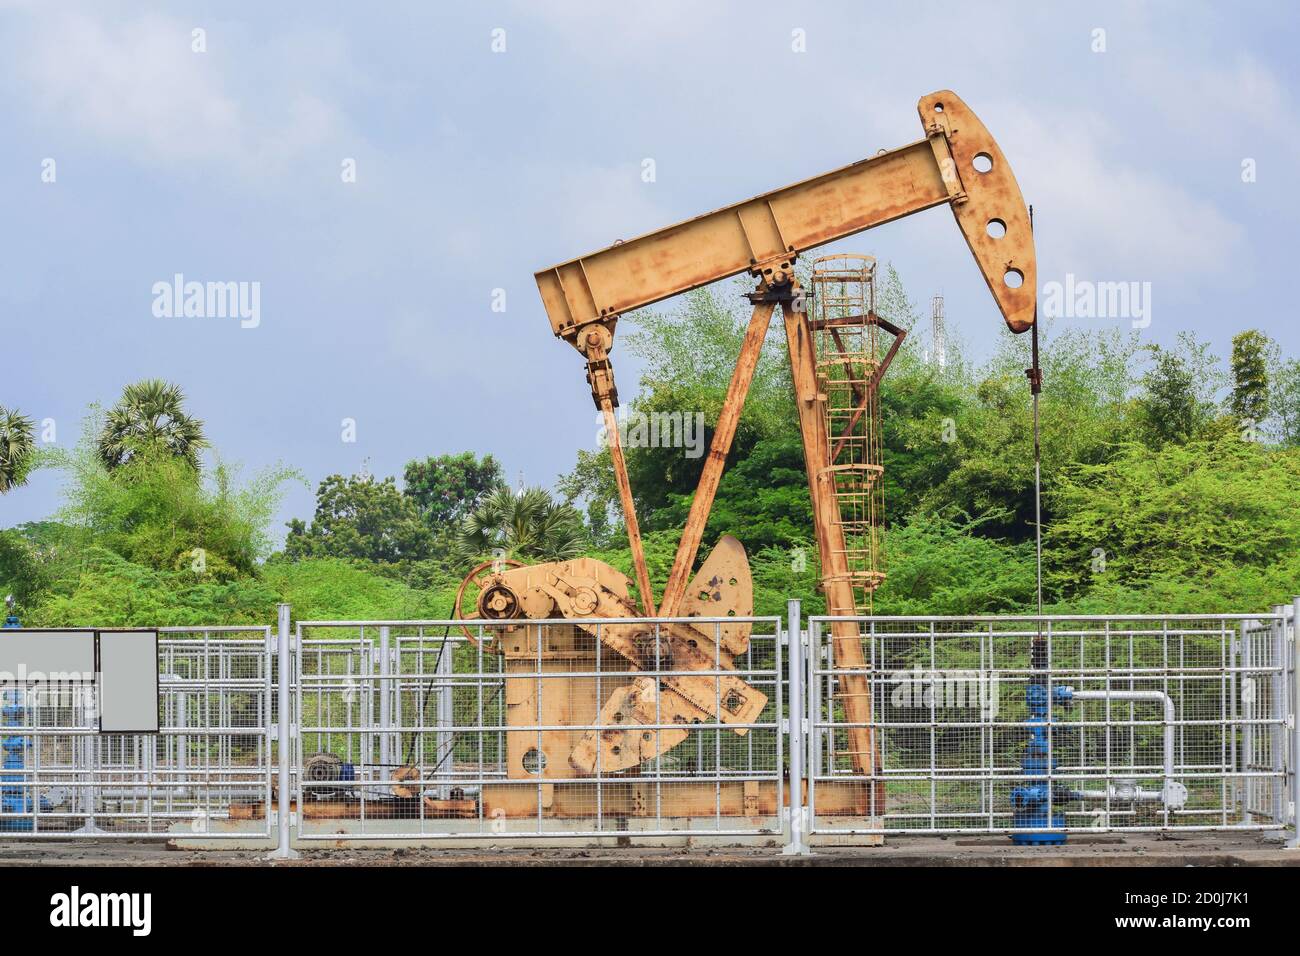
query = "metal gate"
{"x": 436, "y": 729}
{"x": 1142, "y": 723}
{"x": 208, "y": 763}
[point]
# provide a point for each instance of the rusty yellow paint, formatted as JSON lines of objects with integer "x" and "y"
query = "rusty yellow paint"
{"x": 763, "y": 235}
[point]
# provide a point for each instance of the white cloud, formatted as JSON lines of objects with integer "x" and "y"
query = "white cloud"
{"x": 1110, "y": 218}
{"x": 138, "y": 87}
{"x": 1238, "y": 103}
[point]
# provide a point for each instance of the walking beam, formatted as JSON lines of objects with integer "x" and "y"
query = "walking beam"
{"x": 958, "y": 163}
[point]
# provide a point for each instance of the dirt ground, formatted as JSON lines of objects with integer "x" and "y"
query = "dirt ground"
{"x": 1210, "y": 849}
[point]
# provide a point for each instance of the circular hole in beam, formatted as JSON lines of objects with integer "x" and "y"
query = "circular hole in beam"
{"x": 996, "y": 228}
{"x": 1013, "y": 278}
{"x": 938, "y": 107}
{"x": 982, "y": 162}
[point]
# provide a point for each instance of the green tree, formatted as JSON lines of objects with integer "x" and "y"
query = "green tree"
{"x": 1285, "y": 402}
{"x": 690, "y": 355}
{"x": 956, "y": 440}
{"x": 16, "y": 448}
{"x": 1188, "y": 512}
{"x": 150, "y": 417}
{"x": 1177, "y": 398}
{"x": 20, "y": 573}
{"x": 527, "y": 525}
{"x": 938, "y": 565}
{"x": 158, "y": 511}
{"x": 358, "y": 517}
{"x": 1251, "y": 355}
{"x": 446, "y": 487}
{"x": 762, "y": 499}
{"x": 962, "y": 442}
{"x": 598, "y": 524}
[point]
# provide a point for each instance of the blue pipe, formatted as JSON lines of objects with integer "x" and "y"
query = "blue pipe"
{"x": 13, "y": 797}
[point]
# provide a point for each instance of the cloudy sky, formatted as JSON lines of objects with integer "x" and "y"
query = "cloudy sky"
{"x": 474, "y": 168}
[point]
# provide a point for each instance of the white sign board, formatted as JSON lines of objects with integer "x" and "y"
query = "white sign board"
{"x": 128, "y": 682}
{"x": 41, "y": 656}
{"x": 123, "y": 665}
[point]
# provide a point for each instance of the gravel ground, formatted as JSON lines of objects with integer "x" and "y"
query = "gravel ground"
{"x": 1212, "y": 849}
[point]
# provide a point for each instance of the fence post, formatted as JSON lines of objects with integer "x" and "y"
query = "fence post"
{"x": 283, "y": 804}
{"x": 446, "y": 737}
{"x": 1292, "y": 650}
{"x": 794, "y": 667}
{"x": 385, "y": 707}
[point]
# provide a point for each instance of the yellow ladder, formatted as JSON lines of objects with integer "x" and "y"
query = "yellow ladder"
{"x": 849, "y": 366}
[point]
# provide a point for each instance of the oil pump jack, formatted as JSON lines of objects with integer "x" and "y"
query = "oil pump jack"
{"x": 956, "y": 163}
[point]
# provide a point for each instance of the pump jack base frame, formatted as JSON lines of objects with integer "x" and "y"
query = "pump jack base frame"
{"x": 642, "y": 797}
{"x": 696, "y": 808}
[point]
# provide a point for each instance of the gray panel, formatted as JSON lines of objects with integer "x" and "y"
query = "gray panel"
{"x": 46, "y": 655}
{"x": 128, "y": 682}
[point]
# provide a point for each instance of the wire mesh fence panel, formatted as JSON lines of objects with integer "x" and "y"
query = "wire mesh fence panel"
{"x": 453, "y": 729}
{"x": 200, "y": 774}
{"x": 1029, "y": 726}
{"x": 649, "y": 728}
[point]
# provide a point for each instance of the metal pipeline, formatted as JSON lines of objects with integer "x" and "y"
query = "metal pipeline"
{"x": 1173, "y": 794}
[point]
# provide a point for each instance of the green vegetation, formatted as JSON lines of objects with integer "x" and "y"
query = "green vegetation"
{"x": 1170, "y": 483}
{"x": 150, "y": 418}
{"x": 445, "y": 488}
{"x": 16, "y": 447}
{"x": 528, "y": 525}
{"x": 358, "y": 517}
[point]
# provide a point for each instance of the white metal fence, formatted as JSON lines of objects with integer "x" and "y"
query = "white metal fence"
{"x": 1170, "y": 722}
{"x": 603, "y": 730}
{"x": 212, "y": 754}
{"x": 541, "y": 729}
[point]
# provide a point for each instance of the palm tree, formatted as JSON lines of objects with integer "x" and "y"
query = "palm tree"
{"x": 150, "y": 416}
{"x": 525, "y": 525}
{"x": 16, "y": 447}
